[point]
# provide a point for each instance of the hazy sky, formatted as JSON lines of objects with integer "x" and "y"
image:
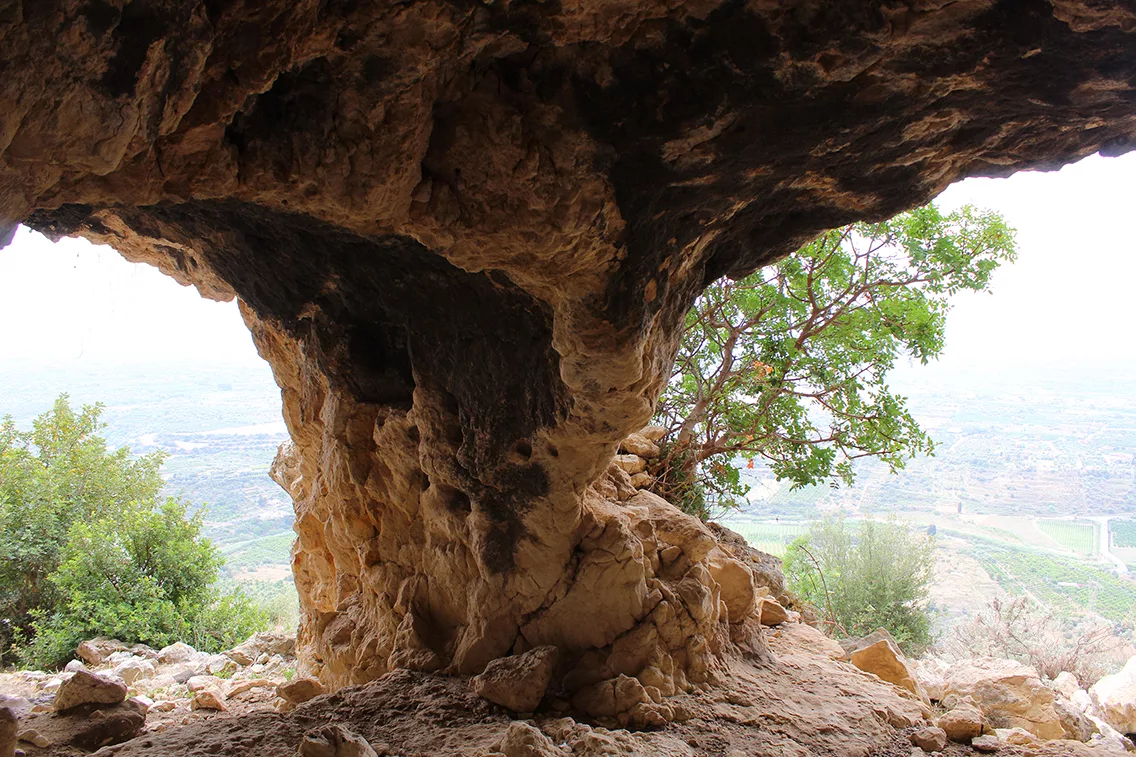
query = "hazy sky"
{"x": 1068, "y": 298}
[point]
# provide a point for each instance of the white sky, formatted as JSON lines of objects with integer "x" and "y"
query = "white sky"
{"x": 1068, "y": 298}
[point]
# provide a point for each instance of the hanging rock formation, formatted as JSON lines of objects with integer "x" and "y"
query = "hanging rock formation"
{"x": 464, "y": 234}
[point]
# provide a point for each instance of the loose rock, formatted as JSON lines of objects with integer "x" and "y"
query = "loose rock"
{"x": 637, "y": 444}
{"x": 772, "y": 613}
{"x": 931, "y": 739}
{"x": 334, "y": 741}
{"x": 84, "y": 687}
{"x": 879, "y": 654}
{"x": 986, "y": 744}
{"x": 961, "y": 723}
{"x": 1115, "y": 698}
{"x": 208, "y": 699}
{"x": 300, "y": 690}
{"x": 1009, "y": 694}
{"x": 517, "y": 682}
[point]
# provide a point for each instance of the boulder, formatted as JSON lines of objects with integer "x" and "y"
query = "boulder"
{"x": 198, "y": 683}
{"x": 134, "y": 669}
{"x": 96, "y": 651}
{"x": 931, "y": 673}
{"x": 1074, "y": 722}
{"x": 262, "y": 643}
{"x": 930, "y": 739}
{"x": 177, "y": 652}
{"x": 736, "y": 582}
{"x": 1015, "y": 736}
{"x": 771, "y": 612}
{"x": 653, "y": 433}
{"x": 209, "y": 698}
{"x": 1065, "y": 684}
{"x": 9, "y": 725}
{"x": 642, "y": 480}
{"x": 518, "y": 682}
{"x": 766, "y": 568}
{"x": 300, "y": 690}
{"x": 631, "y": 464}
{"x": 986, "y": 744}
{"x": 1115, "y": 698}
{"x": 524, "y": 740}
{"x": 87, "y": 688}
{"x": 962, "y": 722}
{"x": 17, "y": 704}
{"x": 33, "y": 737}
{"x": 334, "y": 741}
{"x": 1009, "y": 694}
{"x": 637, "y": 444}
{"x": 87, "y": 727}
{"x": 879, "y": 654}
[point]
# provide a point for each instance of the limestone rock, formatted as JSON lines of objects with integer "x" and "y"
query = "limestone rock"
{"x": 177, "y": 652}
{"x": 208, "y": 699}
{"x": 986, "y": 744}
{"x": 134, "y": 669}
{"x": 300, "y": 690}
{"x": 9, "y": 725}
{"x": 1115, "y": 698}
{"x": 262, "y": 642}
{"x": 523, "y": 740}
{"x": 931, "y": 739}
{"x": 1074, "y": 722}
{"x": 962, "y": 722}
{"x": 334, "y": 741}
{"x": 96, "y": 651}
{"x": 1066, "y": 684}
{"x": 772, "y": 613}
{"x": 1015, "y": 736}
{"x": 642, "y": 480}
{"x": 519, "y": 682}
{"x": 879, "y": 654}
{"x": 464, "y": 235}
{"x": 637, "y": 444}
{"x": 84, "y": 687}
{"x": 89, "y": 726}
{"x": 736, "y": 582}
{"x": 632, "y": 464}
{"x": 653, "y": 434}
{"x": 1009, "y": 694}
{"x": 766, "y": 568}
{"x": 33, "y": 737}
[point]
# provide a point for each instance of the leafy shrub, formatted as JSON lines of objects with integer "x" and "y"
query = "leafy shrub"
{"x": 144, "y": 575}
{"x": 89, "y": 550}
{"x": 875, "y": 575}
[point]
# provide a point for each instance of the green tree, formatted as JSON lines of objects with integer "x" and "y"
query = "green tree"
{"x": 52, "y": 477}
{"x": 864, "y": 576}
{"x": 790, "y": 364}
{"x": 90, "y": 549}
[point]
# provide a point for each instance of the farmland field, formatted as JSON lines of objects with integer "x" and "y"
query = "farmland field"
{"x": 1063, "y": 583}
{"x": 1077, "y": 536}
{"x": 769, "y": 537}
{"x": 1123, "y": 532}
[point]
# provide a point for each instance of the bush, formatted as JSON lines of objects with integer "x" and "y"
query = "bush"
{"x": 145, "y": 575}
{"x": 876, "y": 575}
{"x": 1020, "y": 629}
{"x": 89, "y": 550}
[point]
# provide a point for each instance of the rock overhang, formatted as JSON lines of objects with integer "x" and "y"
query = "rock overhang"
{"x": 465, "y": 236}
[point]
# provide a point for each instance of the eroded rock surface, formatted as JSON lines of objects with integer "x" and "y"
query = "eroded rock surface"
{"x": 465, "y": 234}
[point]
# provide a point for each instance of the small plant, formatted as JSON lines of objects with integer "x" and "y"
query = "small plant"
{"x": 289, "y": 673}
{"x": 1022, "y": 630}
{"x": 225, "y": 673}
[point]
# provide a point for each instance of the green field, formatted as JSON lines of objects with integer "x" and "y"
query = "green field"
{"x": 1077, "y": 536}
{"x": 1123, "y": 532}
{"x": 1063, "y": 583}
{"x": 769, "y": 537}
{"x": 267, "y": 550}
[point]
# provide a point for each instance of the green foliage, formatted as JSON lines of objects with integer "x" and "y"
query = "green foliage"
{"x": 876, "y": 574}
{"x": 52, "y": 477}
{"x": 1123, "y": 532}
{"x": 94, "y": 552}
{"x": 790, "y": 364}
{"x": 1064, "y": 584}
{"x": 1075, "y": 535}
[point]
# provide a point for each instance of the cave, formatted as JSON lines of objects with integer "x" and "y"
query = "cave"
{"x": 465, "y": 234}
